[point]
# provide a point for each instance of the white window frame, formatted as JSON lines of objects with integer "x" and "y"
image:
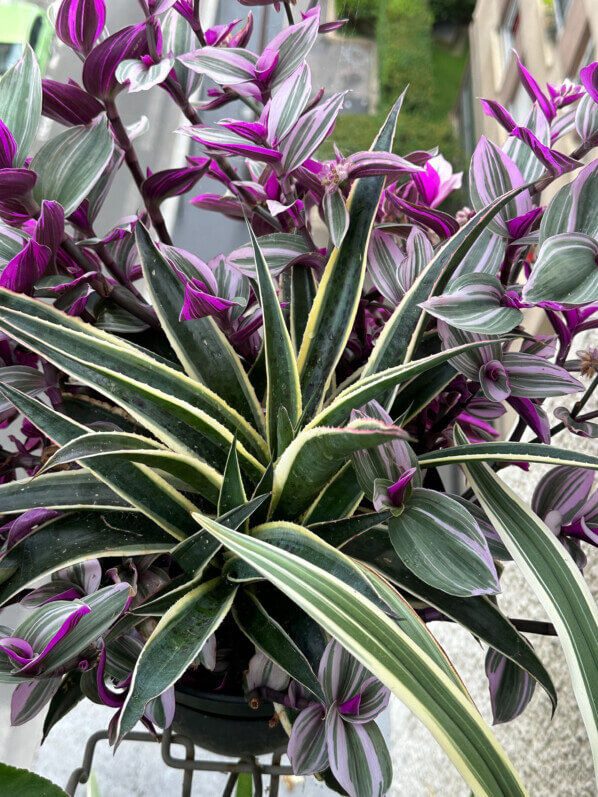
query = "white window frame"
{"x": 506, "y": 31}
{"x": 561, "y": 12}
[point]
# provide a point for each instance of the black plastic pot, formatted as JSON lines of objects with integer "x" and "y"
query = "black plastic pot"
{"x": 224, "y": 724}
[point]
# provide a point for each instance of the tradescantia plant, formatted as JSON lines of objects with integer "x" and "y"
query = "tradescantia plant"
{"x": 228, "y": 472}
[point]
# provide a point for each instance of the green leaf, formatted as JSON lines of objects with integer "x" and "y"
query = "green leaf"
{"x": 371, "y": 387}
{"x": 157, "y": 396}
{"x": 74, "y": 538}
{"x": 333, "y": 312}
{"x": 442, "y": 544}
{"x": 244, "y": 785}
{"x": 70, "y": 164}
{"x": 23, "y": 783}
{"x": 478, "y": 614}
{"x": 135, "y": 484}
{"x": 21, "y": 102}
{"x": 315, "y": 455}
{"x": 76, "y": 489}
{"x": 554, "y": 577}
{"x": 303, "y": 293}
{"x": 507, "y": 452}
{"x": 281, "y": 368}
{"x": 66, "y": 698}
{"x": 232, "y": 492}
{"x": 269, "y": 637}
{"x": 565, "y": 271}
{"x": 339, "y": 532}
{"x": 200, "y": 344}
{"x": 338, "y": 499}
{"x": 402, "y": 332}
{"x": 174, "y": 644}
{"x": 392, "y": 656}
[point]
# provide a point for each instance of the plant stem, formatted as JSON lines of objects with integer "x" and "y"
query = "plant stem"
{"x": 289, "y": 12}
{"x": 132, "y": 162}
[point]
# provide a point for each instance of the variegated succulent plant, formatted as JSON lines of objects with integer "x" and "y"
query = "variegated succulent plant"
{"x": 251, "y": 447}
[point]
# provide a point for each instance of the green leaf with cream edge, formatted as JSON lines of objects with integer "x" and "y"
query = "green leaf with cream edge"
{"x": 554, "y": 577}
{"x": 390, "y": 654}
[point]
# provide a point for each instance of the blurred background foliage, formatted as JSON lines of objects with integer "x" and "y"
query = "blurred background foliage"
{"x": 420, "y": 43}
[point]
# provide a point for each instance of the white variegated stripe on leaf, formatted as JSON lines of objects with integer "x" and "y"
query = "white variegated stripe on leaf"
{"x": 225, "y": 65}
{"x": 521, "y": 155}
{"x": 511, "y": 687}
{"x": 384, "y": 259}
{"x": 147, "y": 491}
{"x": 29, "y": 698}
{"x": 396, "y": 660}
{"x": 293, "y": 45}
{"x": 283, "y": 387}
{"x": 288, "y": 103}
{"x": 315, "y": 455}
{"x": 475, "y": 302}
{"x": 309, "y": 132}
{"x": 70, "y": 164}
{"x": 21, "y": 102}
{"x": 418, "y": 253}
{"x": 484, "y": 257}
{"x": 179, "y": 38}
{"x": 140, "y": 77}
{"x": 506, "y": 451}
{"x": 278, "y": 249}
{"x": 532, "y": 376}
{"x": 492, "y": 174}
{"x": 336, "y": 215}
{"x": 573, "y": 209}
{"x": 174, "y": 644}
{"x": 565, "y": 271}
{"x": 586, "y": 119}
{"x": 376, "y": 385}
{"x": 470, "y": 362}
{"x": 564, "y": 490}
{"x": 582, "y": 428}
{"x": 441, "y": 543}
{"x": 358, "y": 756}
{"x": 556, "y": 580}
{"x": 76, "y": 489}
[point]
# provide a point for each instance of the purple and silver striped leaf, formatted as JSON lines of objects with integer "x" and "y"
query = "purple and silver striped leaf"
{"x": 418, "y": 253}
{"x": 379, "y": 164}
{"x": 225, "y": 65}
{"x": 574, "y": 208}
{"x": 179, "y": 39}
{"x": 531, "y": 376}
{"x": 341, "y": 675}
{"x": 288, "y": 103}
{"x": 309, "y": 132}
{"x": 470, "y": 362}
{"x": 581, "y": 428}
{"x": 441, "y": 543}
{"x": 29, "y": 698}
{"x": 307, "y": 749}
{"x": 511, "y": 687}
{"x": 293, "y": 45}
{"x": 171, "y": 182}
{"x": 99, "y": 69}
{"x": 278, "y": 249}
{"x": 140, "y": 76}
{"x": 586, "y": 120}
{"x": 384, "y": 260}
{"x": 474, "y": 302}
{"x": 589, "y": 77}
{"x": 336, "y": 215}
{"x": 223, "y": 140}
{"x": 493, "y": 174}
{"x": 21, "y": 102}
{"x": 24, "y": 270}
{"x": 565, "y": 272}
{"x": 494, "y": 381}
{"x": 262, "y": 671}
{"x": 358, "y": 756}
{"x": 8, "y": 147}
{"x": 485, "y": 256}
{"x": 522, "y": 156}
{"x": 565, "y": 490}
{"x": 533, "y": 415}
{"x": 55, "y": 590}
{"x": 79, "y": 23}
{"x": 443, "y": 224}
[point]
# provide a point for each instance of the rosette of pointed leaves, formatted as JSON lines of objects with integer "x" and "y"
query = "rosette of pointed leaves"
{"x": 341, "y": 733}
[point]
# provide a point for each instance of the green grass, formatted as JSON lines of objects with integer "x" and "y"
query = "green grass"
{"x": 407, "y": 54}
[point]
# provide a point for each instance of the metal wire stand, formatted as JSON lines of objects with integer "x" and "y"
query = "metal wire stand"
{"x": 189, "y": 764}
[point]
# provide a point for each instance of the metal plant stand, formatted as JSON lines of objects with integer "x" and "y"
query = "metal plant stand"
{"x": 189, "y": 764}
